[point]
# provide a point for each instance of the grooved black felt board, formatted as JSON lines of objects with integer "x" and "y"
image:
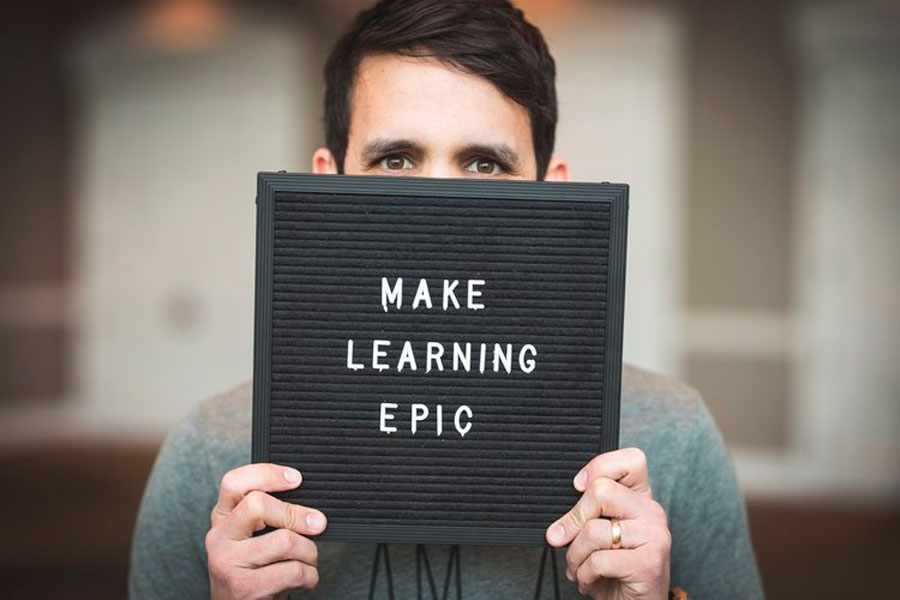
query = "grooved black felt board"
{"x": 438, "y": 358}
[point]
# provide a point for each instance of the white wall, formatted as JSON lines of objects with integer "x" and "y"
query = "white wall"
{"x": 169, "y": 146}
{"x": 168, "y": 143}
{"x": 846, "y": 340}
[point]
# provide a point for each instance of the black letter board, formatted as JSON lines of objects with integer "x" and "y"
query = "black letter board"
{"x": 456, "y": 405}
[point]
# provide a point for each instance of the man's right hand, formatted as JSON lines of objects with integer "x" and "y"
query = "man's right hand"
{"x": 268, "y": 566}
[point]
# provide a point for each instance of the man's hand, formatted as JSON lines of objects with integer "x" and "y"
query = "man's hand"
{"x": 615, "y": 485}
{"x": 268, "y": 566}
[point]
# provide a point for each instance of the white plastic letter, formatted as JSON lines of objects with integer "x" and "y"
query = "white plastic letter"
{"x": 422, "y": 295}
{"x": 501, "y": 357}
{"x": 385, "y": 417}
{"x": 473, "y": 293}
{"x": 527, "y": 365}
{"x": 350, "y": 363}
{"x": 419, "y": 413}
{"x": 460, "y": 357}
{"x": 407, "y": 357}
{"x": 378, "y": 353}
{"x": 434, "y": 351}
{"x": 449, "y": 294}
{"x": 391, "y": 295}
{"x": 462, "y": 430}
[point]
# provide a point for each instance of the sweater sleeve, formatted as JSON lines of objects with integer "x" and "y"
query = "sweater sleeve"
{"x": 168, "y": 557}
{"x": 712, "y": 555}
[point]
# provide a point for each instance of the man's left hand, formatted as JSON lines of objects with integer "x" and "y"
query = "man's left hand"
{"x": 615, "y": 486}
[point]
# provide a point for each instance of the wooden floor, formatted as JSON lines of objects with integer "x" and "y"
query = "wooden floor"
{"x": 822, "y": 552}
{"x": 70, "y": 511}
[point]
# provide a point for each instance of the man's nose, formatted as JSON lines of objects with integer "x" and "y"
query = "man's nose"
{"x": 440, "y": 168}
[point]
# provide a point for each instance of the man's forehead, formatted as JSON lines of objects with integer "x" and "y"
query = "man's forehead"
{"x": 426, "y": 102}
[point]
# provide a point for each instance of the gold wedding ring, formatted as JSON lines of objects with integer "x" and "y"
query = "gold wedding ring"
{"x": 616, "y": 533}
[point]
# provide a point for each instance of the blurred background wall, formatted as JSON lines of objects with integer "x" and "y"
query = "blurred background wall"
{"x": 762, "y": 143}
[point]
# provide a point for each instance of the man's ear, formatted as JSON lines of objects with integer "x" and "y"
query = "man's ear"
{"x": 557, "y": 170}
{"x": 323, "y": 162}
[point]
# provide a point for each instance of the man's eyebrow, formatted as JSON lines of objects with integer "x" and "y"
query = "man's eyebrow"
{"x": 380, "y": 147}
{"x": 501, "y": 153}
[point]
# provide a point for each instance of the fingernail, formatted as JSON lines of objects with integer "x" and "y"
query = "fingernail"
{"x": 315, "y": 520}
{"x": 580, "y": 480}
{"x": 556, "y": 534}
{"x": 292, "y": 476}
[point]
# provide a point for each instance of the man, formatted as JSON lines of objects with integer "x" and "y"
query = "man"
{"x": 460, "y": 88}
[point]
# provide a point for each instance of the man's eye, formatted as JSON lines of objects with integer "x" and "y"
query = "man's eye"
{"x": 395, "y": 163}
{"x": 483, "y": 166}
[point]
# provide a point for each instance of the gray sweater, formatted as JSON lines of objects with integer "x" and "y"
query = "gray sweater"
{"x": 690, "y": 474}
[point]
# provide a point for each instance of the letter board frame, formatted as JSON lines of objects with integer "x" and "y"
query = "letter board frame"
{"x": 370, "y": 496}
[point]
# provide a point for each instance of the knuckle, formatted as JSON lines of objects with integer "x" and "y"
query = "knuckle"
{"x": 298, "y": 574}
{"x": 216, "y": 566}
{"x": 596, "y": 562}
{"x": 222, "y": 571}
{"x": 228, "y": 483}
{"x": 581, "y": 577}
{"x": 283, "y": 542}
{"x": 216, "y": 546}
{"x": 600, "y": 488}
{"x": 594, "y": 530}
{"x": 304, "y": 576}
{"x": 594, "y": 489}
{"x": 209, "y": 540}
{"x": 255, "y": 503}
{"x": 637, "y": 455}
{"x": 655, "y": 562}
{"x": 586, "y": 573}
{"x": 313, "y": 553}
{"x": 666, "y": 540}
{"x": 312, "y": 577}
{"x": 659, "y": 513}
{"x": 240, "y": 585}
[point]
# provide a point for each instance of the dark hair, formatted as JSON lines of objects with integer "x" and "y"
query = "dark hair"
{"x": 487, "y": 38}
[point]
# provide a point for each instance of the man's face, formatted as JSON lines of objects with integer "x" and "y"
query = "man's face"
{"x": 419, "y": 117}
